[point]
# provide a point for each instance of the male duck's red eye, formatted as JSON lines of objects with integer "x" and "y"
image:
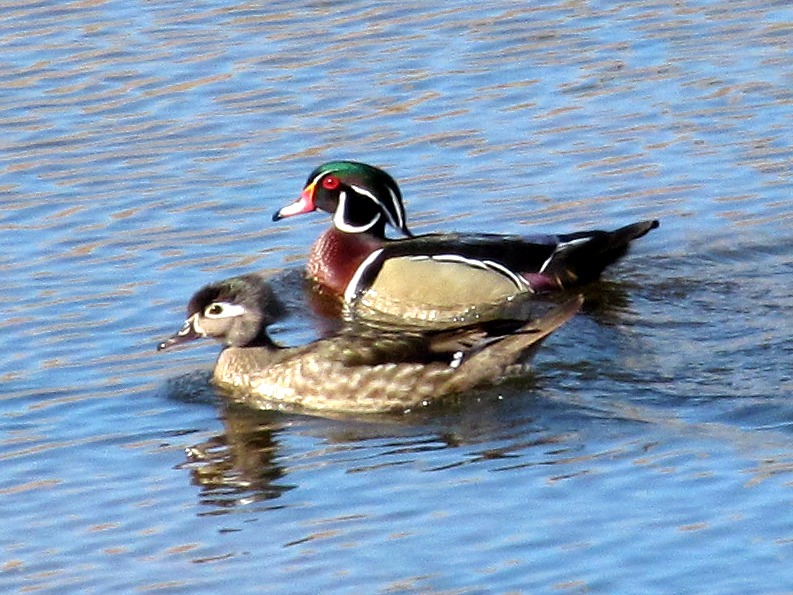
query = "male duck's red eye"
{"x": 330, "y": 182}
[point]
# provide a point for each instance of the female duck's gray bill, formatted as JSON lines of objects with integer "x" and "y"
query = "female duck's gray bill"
{"x": 185, "y": 334}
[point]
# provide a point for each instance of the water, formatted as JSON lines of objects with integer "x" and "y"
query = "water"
{"x": 145, "y": 147}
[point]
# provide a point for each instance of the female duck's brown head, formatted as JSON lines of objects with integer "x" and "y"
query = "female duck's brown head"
{"x": 235, "y": 311}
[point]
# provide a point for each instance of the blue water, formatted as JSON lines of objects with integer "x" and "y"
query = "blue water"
{"x": 144, "y": 148}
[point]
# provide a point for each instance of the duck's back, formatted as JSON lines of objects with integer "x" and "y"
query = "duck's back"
{"x": 375, "y": 371}
{"x": 326, "y": 379}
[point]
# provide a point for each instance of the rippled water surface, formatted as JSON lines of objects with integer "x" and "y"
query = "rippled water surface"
{"x": 145, "y": 146}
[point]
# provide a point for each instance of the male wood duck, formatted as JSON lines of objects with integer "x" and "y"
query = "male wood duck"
{"x": 360, "y": 370}
{"x": 439, "y": 275}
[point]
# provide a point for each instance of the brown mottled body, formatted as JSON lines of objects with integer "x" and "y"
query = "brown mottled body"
{"x": 363, "y": 368}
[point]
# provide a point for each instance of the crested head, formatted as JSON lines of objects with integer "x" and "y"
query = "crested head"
{"x": 362, "y": 198}
{"x": 234, "y": 311}
{"x": 356, "y": 172}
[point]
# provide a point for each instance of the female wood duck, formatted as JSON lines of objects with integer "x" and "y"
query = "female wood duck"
{"x": 361, "y": 369}
{"x": 439, "y": 275}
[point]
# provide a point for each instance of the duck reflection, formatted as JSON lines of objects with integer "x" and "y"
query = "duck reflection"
{"x": 239, "y": 466}
{"x": 247, "y": 462}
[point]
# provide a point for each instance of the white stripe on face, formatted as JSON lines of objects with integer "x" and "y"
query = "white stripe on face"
{"x": 389, "y": 213}
{"x": 342, "y": 225}
{"x": 398, "y": 209}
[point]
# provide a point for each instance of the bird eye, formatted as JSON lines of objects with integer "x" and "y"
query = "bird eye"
{"x": 214, "y": 310}
{"x": 330, "y": 182}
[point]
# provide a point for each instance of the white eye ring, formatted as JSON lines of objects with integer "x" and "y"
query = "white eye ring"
{"x": 223, "y": 310}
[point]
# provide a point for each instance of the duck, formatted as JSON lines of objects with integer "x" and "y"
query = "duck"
{"x": 360, "y": 369}
{"x": 435, "y": 276}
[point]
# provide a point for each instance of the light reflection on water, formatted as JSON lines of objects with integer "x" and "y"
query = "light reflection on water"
{"x": 145, "y": 148}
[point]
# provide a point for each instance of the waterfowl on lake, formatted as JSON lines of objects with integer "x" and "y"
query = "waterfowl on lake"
{"x": 362, "y": 369}
{"x": 435, "y": 275}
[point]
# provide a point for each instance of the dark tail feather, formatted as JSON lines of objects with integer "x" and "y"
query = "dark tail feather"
{"x": 584, "y": 260}
{"x": 513, "y": 353}
{"x": 542, "y": 328}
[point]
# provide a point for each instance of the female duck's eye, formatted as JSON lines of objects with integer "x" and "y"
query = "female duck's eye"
{"x": 214, "y": 310}
{"x": 330, "y": 182}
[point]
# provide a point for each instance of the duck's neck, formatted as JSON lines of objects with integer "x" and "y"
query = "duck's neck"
{"x": 264, "y": 340}
{"x": 260, "y": 340}
{"x": 336, "y": 255}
